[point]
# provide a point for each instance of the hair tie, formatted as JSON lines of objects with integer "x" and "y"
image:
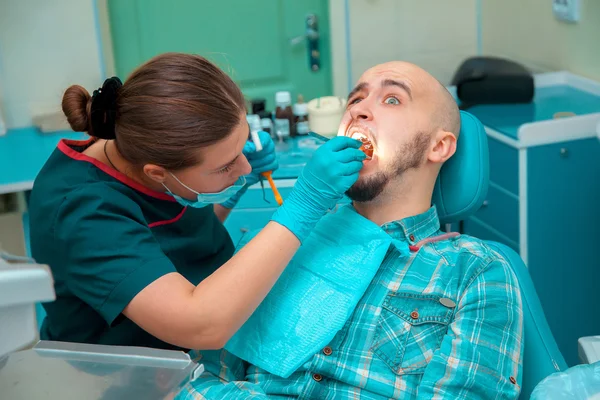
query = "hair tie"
{"x": 103, "y": 114}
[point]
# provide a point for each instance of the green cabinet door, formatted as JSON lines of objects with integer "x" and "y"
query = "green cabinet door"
{"x": 250, "y": 40}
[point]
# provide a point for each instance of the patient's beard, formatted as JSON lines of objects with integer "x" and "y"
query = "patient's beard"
{"x": 410, "y": 156}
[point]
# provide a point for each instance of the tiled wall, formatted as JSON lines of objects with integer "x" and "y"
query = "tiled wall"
{"x": 527, "y": 32}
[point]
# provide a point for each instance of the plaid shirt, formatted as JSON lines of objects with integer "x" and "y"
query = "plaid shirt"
{"x": 440, "y": 321}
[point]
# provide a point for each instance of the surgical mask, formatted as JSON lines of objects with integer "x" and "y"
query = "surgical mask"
{"x": 206, "y": 199}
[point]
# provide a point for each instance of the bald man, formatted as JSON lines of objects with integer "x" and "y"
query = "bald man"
{"x": 444, "y": 321}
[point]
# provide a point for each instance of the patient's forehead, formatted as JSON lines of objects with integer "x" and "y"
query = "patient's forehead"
{"x": 416, "y": 78}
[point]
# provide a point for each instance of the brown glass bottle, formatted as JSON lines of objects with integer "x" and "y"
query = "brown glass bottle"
{"x": 284, "y": 116}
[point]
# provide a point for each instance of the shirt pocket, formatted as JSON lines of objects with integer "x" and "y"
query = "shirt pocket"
{"x": 410, "y": 329}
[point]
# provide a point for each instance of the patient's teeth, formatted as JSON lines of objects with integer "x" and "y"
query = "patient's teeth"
{"x": 358, "y": 135}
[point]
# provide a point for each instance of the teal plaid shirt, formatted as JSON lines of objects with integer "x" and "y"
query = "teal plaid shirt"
{"x": 443, "y": 321}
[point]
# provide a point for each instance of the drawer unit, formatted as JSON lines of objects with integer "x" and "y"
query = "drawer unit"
{"x": 504, "y": 165}
{"x": 500, "y": 210}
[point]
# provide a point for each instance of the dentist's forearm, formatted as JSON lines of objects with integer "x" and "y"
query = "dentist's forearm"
{"x": 206, "y": 316}
{"x": 230, "y": 295}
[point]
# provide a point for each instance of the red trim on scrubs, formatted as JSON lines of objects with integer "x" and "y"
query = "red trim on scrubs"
{"x": 169, "y": 221}
{"x": 64, "y": 146}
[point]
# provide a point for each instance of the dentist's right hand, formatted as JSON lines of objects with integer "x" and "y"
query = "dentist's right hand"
{"x": 333, "y": 169}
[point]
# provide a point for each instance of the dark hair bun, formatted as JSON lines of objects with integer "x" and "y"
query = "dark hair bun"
{"x": 76, "y": 106}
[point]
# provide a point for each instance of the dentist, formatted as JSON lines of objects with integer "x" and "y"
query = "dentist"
{"x": 131, "y": 220}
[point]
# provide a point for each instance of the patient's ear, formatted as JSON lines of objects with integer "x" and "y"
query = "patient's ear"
{"x": 444, "y": 147}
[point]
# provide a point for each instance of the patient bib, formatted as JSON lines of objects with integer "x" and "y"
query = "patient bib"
{"x": 316, "y": 294}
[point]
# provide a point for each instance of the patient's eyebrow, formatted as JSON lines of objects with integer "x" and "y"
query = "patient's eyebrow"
{"x": 400, "y": 84}
{"x": 360, "y": 87}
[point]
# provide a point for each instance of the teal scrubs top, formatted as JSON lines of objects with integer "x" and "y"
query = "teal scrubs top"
{"x": 105, "y": 238}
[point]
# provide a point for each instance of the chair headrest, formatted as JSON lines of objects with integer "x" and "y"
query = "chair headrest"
{"x": 463, "y": 182}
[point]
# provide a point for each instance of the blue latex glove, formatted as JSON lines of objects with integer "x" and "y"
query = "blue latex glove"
{"x": 333, "y": 168}
{"x": 261, "y": 161}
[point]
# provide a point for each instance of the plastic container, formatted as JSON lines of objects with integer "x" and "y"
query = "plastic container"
{"x": 254, "y": 122}
{"x": 589, "y": 349}
{"x": 325, "y": 114}
{"x": 266, "y": 121}
{"x": 21, "y": 286}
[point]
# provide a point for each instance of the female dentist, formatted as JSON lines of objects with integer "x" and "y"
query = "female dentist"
{"x": 130, "y": 221}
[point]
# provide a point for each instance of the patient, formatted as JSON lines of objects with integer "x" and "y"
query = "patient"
{"x": 444, "y": 320}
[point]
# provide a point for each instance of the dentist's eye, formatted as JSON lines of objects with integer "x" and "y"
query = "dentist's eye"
{"x": 224, "y": 170}
{"x": 392, "y": 100}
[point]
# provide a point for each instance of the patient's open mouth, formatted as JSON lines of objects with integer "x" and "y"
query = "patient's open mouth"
{"x": 359, "y": 134}
{"x": 367, "y": 147}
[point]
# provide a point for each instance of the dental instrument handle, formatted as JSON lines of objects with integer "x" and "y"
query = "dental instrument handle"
{"x": 256, "y": 140}
{"x": 326, "y": 139}
{"x": 267, "y": 174}
{"x": 269, "y": 177}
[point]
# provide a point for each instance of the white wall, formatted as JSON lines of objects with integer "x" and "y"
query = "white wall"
{"x": 337, "y": 27}
{"x": 434, "y": 34}
{"x": 539, "y": 40}
{"x": 45, "y": 46}
{"x": 105, "y": 37}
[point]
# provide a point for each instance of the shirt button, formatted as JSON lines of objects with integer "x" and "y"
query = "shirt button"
{"x": 449, "y": 303}
{"x": 513, "y": 380}
{"x": 327, "y": 351}
{"x": 317, "y": 377}
{"x": 412, "y": 237}
{"x": 414, "y": 314}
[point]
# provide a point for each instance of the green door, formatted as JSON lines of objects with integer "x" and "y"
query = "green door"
{"x": 250, "y": 40}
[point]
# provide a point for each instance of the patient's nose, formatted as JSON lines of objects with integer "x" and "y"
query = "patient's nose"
{"x": 361, "y": 111}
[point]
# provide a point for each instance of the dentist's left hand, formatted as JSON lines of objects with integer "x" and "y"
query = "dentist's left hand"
{"x": 260, "y": 161}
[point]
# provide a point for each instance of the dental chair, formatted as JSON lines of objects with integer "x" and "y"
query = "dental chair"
{"x": 459, "y": 192}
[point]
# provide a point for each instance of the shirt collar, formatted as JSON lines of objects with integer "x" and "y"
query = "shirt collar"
{"x": 414, "y": 229}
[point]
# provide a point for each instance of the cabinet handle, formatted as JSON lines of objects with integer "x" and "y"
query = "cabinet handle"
{"x": 312, "y": 37}
{"x": 564, "y": 152}
{"x": 485, "y": 203}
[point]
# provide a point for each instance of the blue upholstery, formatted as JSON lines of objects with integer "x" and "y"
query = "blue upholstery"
{"x": 541, "y": 356}
{"x": 463, "y": 181}
{"x": 458, "y": 193}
